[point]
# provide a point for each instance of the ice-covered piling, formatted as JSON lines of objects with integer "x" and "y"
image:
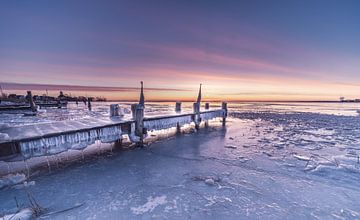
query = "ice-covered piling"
{"x": 196, "y": 110}
{"x": 139, "y": 123}
{"x": 207, "y": 106}
{"x": 89, "y": 103}
{"x": 133, "y": 109}
{"x": 224, "y": 108}
{"x": 114, "y": 110}
{"x": 30, "y": 99}
{"x": 178, "y": 107}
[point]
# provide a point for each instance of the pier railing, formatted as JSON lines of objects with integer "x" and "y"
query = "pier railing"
{"x": 56, "y": 137}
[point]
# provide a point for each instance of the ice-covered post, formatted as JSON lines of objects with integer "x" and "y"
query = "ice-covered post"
{"x": 224, "y": 108}
{"x": 207, "y": 106}
{"x": 30, "y": 99}
{"x": 114, "y": 110}
{"x": 139, "y": 116}
{"x": 178, "y": 107}
{"x": 178, "y": 110}
{"x": 133, "y": 109}
{"x": 89, "y": 103}
{"x": 196, "y": 108}
{"x": 139, "y": 124}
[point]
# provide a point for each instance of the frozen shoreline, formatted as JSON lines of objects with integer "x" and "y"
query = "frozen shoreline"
{"x": 264, "y": 165}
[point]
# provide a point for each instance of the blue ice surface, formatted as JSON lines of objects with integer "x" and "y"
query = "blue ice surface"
{"x": 252, "y": 178}
{"x": 271, "y": 161}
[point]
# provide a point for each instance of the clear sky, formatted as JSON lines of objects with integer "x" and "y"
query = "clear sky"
{"x": 239, "y": 50}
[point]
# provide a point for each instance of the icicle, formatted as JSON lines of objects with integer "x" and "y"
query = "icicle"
{"x": 110, "y": 134}
{"x": 211, "y": 114}
{"x": 33, "y": 148}
{"x": 165, "y": 123}
{"x": 58, "y": 144}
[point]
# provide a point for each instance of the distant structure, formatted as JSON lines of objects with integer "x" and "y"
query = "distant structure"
{"x": 342, "y": 99}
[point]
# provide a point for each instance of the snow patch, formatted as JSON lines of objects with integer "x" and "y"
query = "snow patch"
{"x": 24, "y": 214}
{"x": 4, "y": 136}
{"x": 12, "y": 179}
{"x": 150, "y": 205}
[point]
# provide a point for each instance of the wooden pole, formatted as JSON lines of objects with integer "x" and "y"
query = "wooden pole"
{"x": 196, "y": 108}
{"x": 178, "y": 107}
{"x": 114, "y": 110}
{"x": 178, "y": 110}
{"x": 207, "y": 106}
{"x": 30, "y": 99}
{"x": 89, "y": 103}
{"x": 224, "y": 107}
{"x": 133, "y": 110}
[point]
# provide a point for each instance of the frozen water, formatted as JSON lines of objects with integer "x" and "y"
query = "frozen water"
{"x": 11, "y": 179}
{"x": 24, "y": 214}
{"x": 283, "y": 161}
{"x": 150, "y": 205}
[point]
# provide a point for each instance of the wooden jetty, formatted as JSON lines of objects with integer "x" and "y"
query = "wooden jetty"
{"x": 56, "y": 137}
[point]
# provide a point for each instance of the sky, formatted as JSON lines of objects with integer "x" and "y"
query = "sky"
{"x": 239, "y": 50}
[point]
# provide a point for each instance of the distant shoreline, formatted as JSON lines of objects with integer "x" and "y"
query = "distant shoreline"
{"x": 33, "y": 86}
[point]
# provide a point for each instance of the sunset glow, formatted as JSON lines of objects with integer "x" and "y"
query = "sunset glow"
{"x": 240, "y": 50}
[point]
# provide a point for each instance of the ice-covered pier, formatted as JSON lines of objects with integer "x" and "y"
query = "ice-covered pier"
{"x": 52, "y": 138}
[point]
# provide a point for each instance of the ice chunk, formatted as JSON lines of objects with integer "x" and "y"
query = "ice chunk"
{"x": 210, "y": 182}
{"x": 24, "y": 214}
{"x": 12, "y": 179}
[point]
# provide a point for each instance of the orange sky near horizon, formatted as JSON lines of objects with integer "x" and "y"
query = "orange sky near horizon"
{"x": 212, "y": 90}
